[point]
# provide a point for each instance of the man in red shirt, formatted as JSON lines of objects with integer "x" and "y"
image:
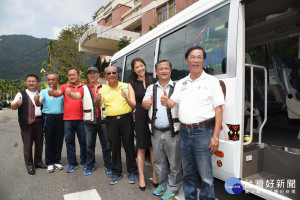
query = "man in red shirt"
{"x": 73, "y": 119}
{"x": 93, "y": 121}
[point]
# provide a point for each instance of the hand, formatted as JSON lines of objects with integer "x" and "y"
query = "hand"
{"x": 51, "y": 91}
{"x": 98, "y": 96}
{"x": 123, "y": 93}
{"x": 213, "y": 145}
{"x": 68, "y": 91}
{"x": 164, "y": 99}
{"x": 19, "y": 102}
{"x": 148, "y": 103}
{"x": 36, "y": 96}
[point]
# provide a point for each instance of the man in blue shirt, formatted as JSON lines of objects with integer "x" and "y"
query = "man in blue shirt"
{"x": 53, "y": 109}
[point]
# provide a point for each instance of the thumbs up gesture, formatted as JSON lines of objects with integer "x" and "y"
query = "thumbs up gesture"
{"x": 19, "y": 102}
{"x": 164, "y": 98}
{"x": 98, "y": 96}
{"x": 148, "y": 103}
{"x": 123, "y": 93}
{"x": 51, "y": 91}
{"x": 36, "y": 97}
{"x": 68, "y": 91}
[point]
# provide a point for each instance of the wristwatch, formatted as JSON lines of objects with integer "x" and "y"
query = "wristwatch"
{"x": 215, "y": 138}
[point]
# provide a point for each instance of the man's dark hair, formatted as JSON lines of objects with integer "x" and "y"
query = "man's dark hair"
{"x": 161, "y": 61}
{"x": 75, "y": 70}
{"x": 33, "y": 75}
{"x": 193, "y": 48}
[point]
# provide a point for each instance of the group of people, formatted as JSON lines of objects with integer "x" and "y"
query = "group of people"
{"x": 185, "y": 120}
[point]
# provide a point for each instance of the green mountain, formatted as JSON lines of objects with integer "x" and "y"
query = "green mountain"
{"x": 21, "y": 55}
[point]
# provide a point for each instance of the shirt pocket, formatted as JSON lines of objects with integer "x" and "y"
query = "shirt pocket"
{"x": 87, "y": 114}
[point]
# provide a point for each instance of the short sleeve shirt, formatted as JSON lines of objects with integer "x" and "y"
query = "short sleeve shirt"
{"x": 197, "y": 99}
{"x": 73, "y": 109}
{"x": 114, "y": 103}
{"x": 52, "y": 105}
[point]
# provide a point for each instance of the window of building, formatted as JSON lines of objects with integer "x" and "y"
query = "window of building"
{"x": 209, "y": 32}
{"x": 167, "y": 11}
{"x": 108, "y": 20}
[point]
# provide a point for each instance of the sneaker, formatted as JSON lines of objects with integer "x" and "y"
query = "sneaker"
{"x": 108, "y": 171}
{"x": 132, "y": 178}
{"x": 88, "y": 171}
{"x": 71, "y": 168}
{"x": 114, "y": 179}
{"x": 50, "y": 169}
{"x": 84, "y": 166}
{"x": 58, "y": 166}
{"x": 168, "y": 195}
{"x": 159, "y": 190}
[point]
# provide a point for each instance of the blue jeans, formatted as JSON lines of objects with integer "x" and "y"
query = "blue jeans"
{"x": 54, "y": 137}
{"x": 91, "y": 131}
{"x": 196, "y": 157}
{"x": 72, "y": 126}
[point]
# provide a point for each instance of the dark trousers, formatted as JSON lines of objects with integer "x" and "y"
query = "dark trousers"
{"x": 91, "y": 131}
{"x": 33, "y": 133}
{"x": 54, "y": 135}
{"x": 118, "y": 129}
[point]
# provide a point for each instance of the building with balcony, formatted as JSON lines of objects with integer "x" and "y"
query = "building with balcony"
{"x": 119, "y": 18}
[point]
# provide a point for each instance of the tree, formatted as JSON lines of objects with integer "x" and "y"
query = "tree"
{"x": 101, "y": 65}
{"x": 65, "y": 54}
{"x": 123, "y": 42}
{"x": 50, "y": 47}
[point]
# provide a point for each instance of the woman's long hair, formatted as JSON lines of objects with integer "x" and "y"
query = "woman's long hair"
{"x": 134, "y": 76}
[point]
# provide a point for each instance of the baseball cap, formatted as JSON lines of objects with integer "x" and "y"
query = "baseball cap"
{"x": 92, "y": 69}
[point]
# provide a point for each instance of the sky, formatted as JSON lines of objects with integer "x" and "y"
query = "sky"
{"x": 45, "y": 18}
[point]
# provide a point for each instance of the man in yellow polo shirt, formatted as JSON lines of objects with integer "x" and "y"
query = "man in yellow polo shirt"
{"x": 119, "y": 101}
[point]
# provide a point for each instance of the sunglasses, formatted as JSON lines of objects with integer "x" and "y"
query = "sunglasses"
{"x": 109, "y": 73}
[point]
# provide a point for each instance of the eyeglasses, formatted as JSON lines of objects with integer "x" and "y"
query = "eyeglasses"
{"x": 109, "y": 73}
{"x": 195, "y": 58}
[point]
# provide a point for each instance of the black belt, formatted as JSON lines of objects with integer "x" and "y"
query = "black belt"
{"x": 119, "y": 116}
{"x": 209, "y": 122}
{"x": 163, "y": 129}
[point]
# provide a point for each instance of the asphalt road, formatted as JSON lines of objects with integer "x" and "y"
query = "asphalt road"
{"x": 16, "y": 184}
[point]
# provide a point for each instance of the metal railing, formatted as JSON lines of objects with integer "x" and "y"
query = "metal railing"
{"x": 251, "y": 102}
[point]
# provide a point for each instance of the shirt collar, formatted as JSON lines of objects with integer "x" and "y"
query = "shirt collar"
{"x": 91, "y": 85}
{"x": 169, "y": 83}
{"x": 69, "y": 84}
{"x": 202, "y": 76}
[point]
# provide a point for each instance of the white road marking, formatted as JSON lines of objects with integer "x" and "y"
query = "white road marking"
{"x": 84, "y": 195}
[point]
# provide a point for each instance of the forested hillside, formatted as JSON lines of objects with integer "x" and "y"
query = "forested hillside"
{"x": 21, "y": 55}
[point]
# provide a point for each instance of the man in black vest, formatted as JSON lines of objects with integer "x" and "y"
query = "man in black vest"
{"x": 30, "y": 121}
{"x": 165, "y": 140}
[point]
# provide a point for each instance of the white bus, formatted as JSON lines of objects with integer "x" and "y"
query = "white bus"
{"x": 260, "y": 146}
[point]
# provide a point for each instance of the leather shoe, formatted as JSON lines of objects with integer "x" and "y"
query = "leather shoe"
{"x": 42, "y": 166}
{"x": 31, "y": 171}
{"x": 155, "y": 185}
{"x": 142, "y": 188}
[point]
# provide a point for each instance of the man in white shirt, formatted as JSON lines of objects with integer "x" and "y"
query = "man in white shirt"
{"x": 30, "y": 121}
{"x": 200, "y": 99}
